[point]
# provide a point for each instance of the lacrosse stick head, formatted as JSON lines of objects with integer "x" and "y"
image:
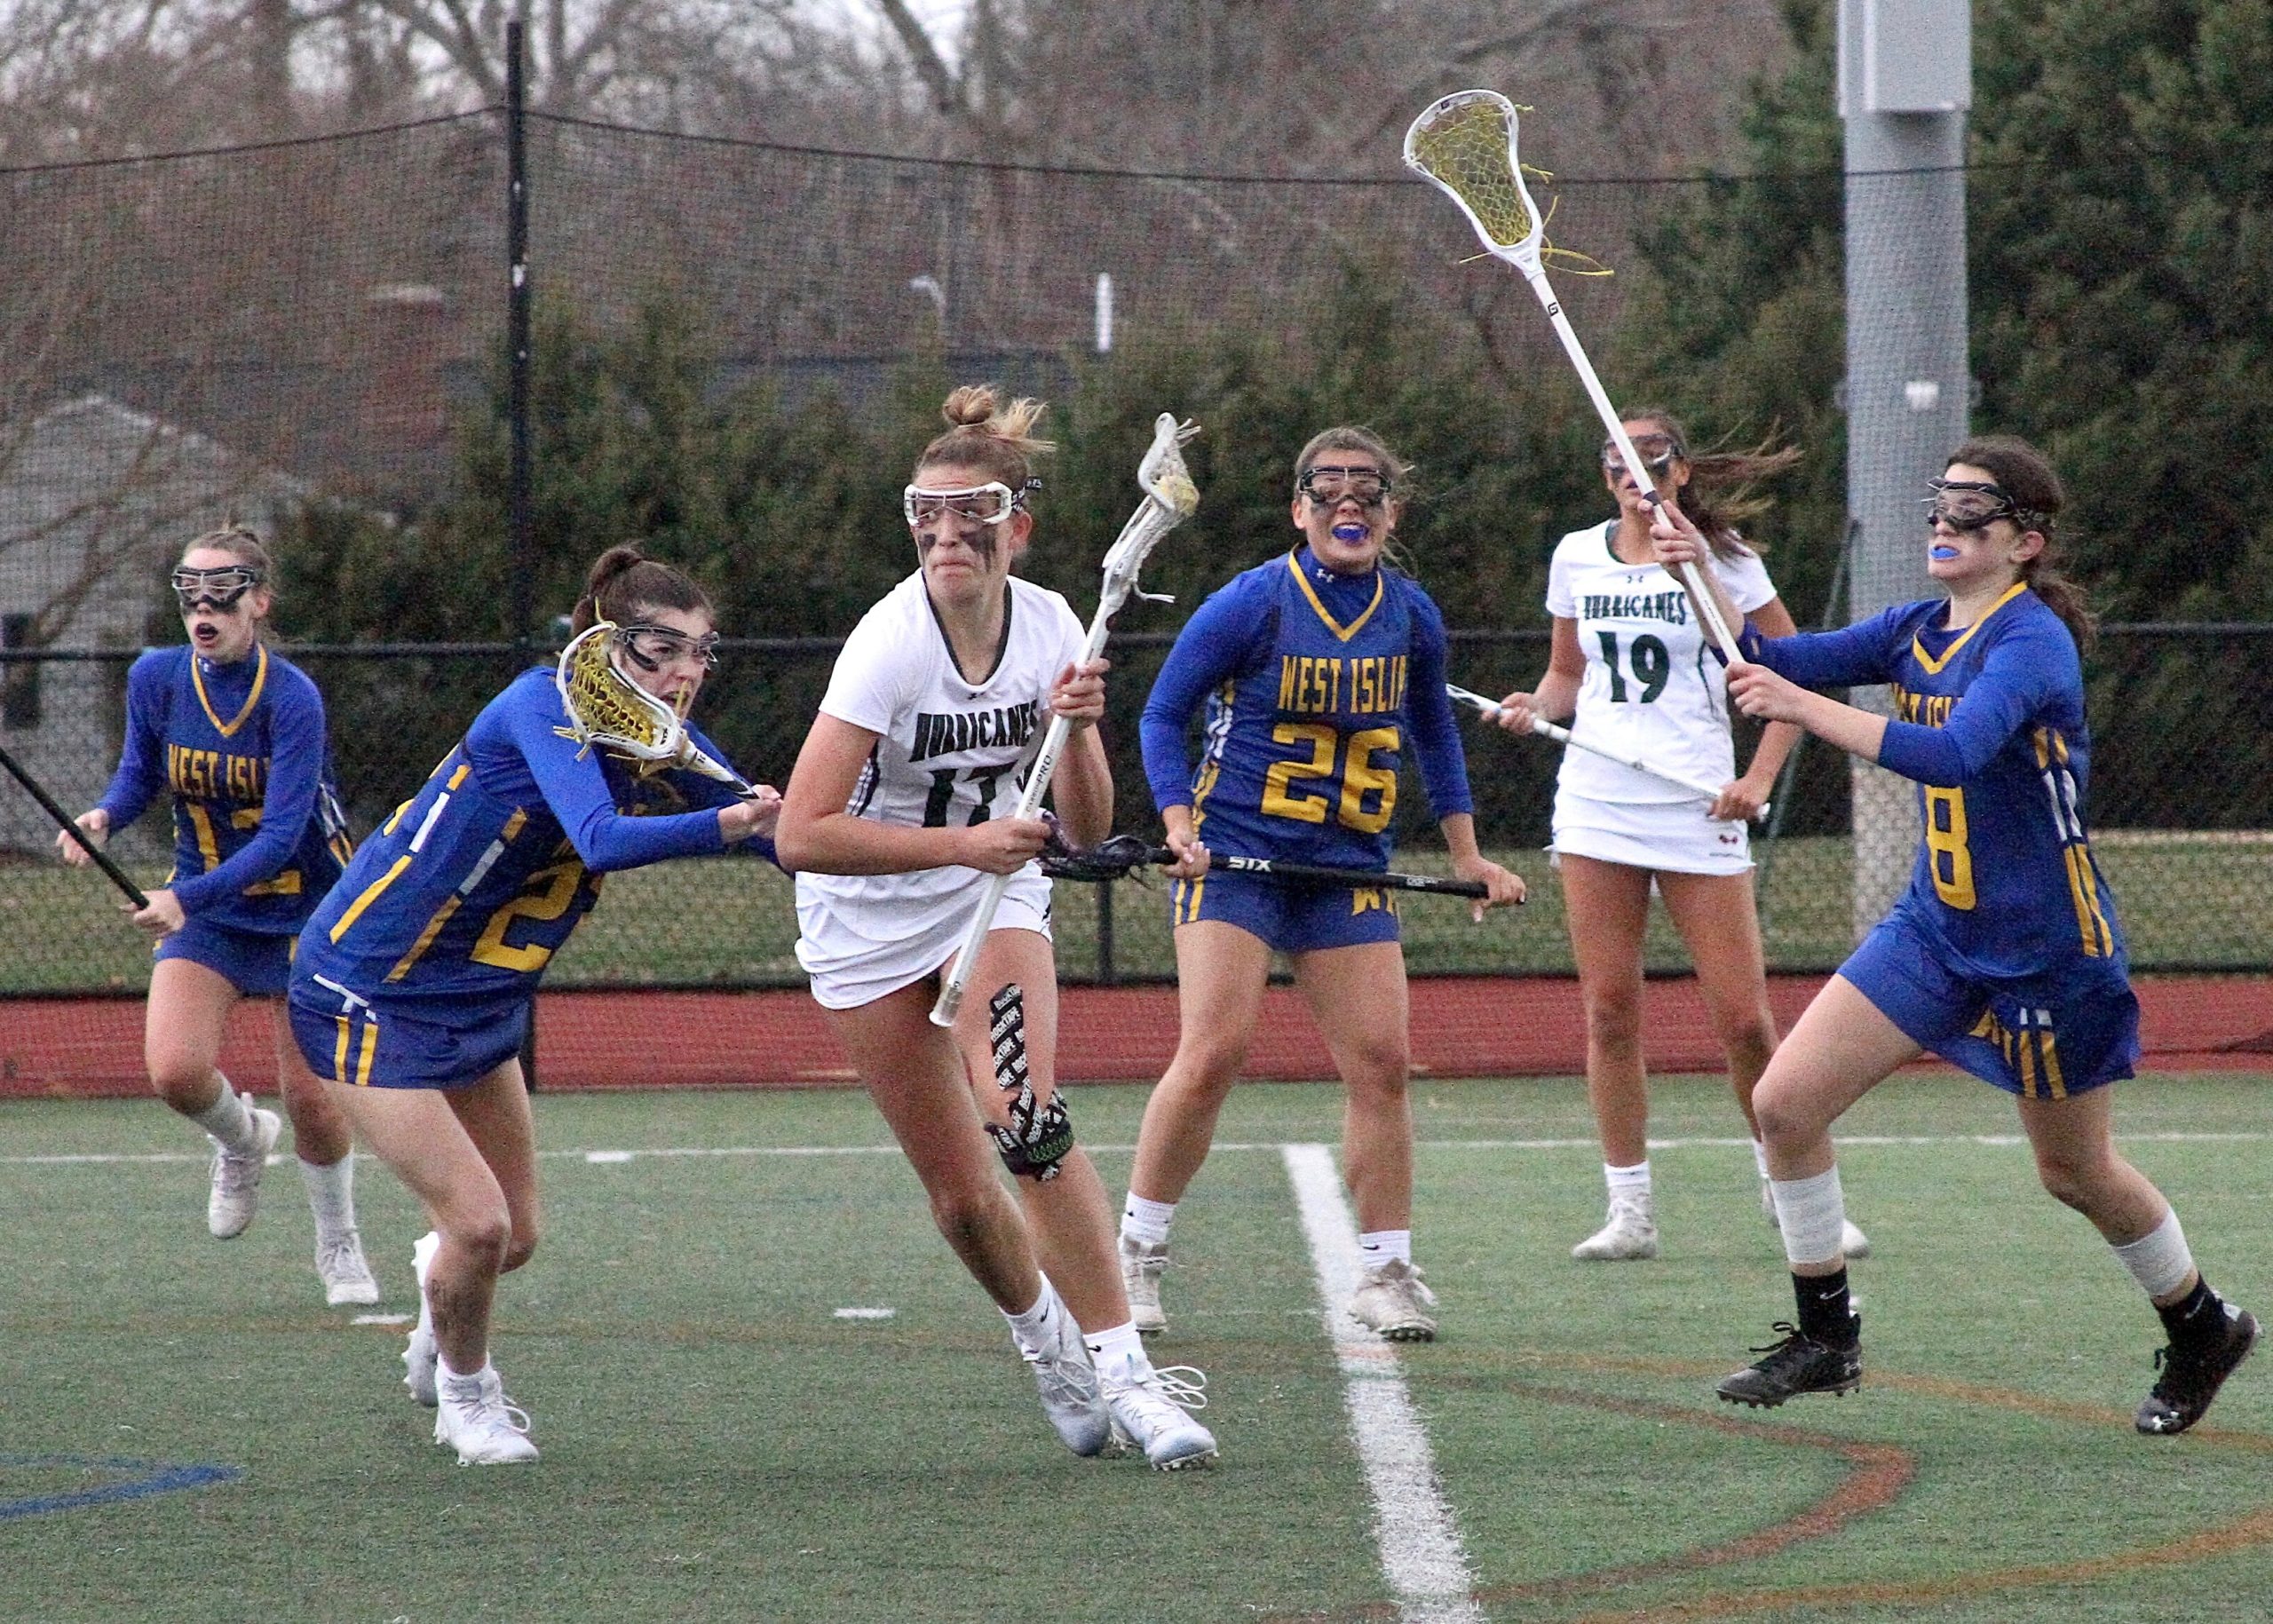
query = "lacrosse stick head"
{"x": 607, "y": 707}
{"x": 1170, "y": 498}
{"x": 1464, "y": 145}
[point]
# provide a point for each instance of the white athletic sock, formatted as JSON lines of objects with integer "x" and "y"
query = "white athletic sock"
{"x": 1146, "y": 1222}
{"x": 1627, "y": 1182}
{"x": 2160, "y": 1260}
{"x": 1121, "y": 1342}
{"x": 1380, "y": 1246}
{"x": 1760, "y": 1158}
{"x": 228, "y": 1118}
{"x": 1031, "y": 1327}
{"x": 331, "y": 1196}
{"x": 442, "y": 1368}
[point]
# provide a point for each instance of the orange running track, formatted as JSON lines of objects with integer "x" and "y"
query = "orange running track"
{"x": 1462, "y": 1027}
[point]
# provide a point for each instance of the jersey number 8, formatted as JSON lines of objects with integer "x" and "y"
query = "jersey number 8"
{"x": 1368, "y": 792}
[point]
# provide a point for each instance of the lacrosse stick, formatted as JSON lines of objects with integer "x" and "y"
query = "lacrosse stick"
{"x": 1465, "y": 145}
{"x": 608, "y": 709}
{"x": 1116, "y": 857}
{"x": 1170, "y": 498}
{"x": 64, "y": 820}
{"x": 1545, "y": 729}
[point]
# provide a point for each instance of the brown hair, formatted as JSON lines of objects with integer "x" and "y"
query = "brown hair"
{"x": 623, "y": 581}
{"x": 984, "y": 434}
{"x": 1719, "y": 495}
{"x": 2027, "y": 479}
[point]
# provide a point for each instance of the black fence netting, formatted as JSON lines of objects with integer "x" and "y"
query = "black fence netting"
{"x": 739, "y": 347}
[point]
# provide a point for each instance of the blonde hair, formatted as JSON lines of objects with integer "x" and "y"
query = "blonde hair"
{"x": 983, "y": 433}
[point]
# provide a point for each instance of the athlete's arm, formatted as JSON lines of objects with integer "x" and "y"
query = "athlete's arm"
{"x": 1213, "y": 645}
{"x": 1429, "y": 710}
{"x": 295, "y": 774}
{"x": 1743, "y": 798}
{"x": 141, "y": 763}
{"x": 702, "y": 790}
{"x": 575, "y": 787}
{"x": 1081, "y": 790}
{"x": 2018, "y": 672}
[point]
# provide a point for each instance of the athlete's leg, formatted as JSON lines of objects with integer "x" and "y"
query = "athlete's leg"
{"x": 1718, "y": 919}
{"x": 915, "y": 1076}
{"x": 1357, "y": 997}
{"x": 2074, "y": 1144}
{"x": 424, "y": 1135}
{"x": 1607, "y": 905}
{"x": 181, "y": 1038}
{"x": 1842, "y": 1047}
{"x": 1221, "y": 973}
{"x": 319, "y": 1135}
{"x": 1068, "y": 1213}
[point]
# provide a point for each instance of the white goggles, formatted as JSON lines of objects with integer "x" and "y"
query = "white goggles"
{"x": 989, "y": 503}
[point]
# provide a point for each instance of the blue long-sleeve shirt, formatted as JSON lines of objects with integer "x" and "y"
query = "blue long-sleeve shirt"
{"x": 1989, "y": 720}
{"x": 257, "y": 833}
{"x": 1315, "y": 684}
{"x": 468, "y": 891}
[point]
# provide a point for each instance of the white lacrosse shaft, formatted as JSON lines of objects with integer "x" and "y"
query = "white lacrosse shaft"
{"x": 1169, "y": 498}
{"x": 1525, "y": 256}
{"x": 1545, "y": 729}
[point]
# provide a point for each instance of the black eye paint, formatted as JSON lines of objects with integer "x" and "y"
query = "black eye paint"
{"x": 982, "y": 545}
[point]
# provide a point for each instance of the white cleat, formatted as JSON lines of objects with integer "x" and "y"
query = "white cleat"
{"x": 1631, "y": 1232}
{"x": 476, "y": 1418}
{"x": 346, "y": 1274}
{"x": 419, "y": 1355}
{"x": 1068, "y": 1383}
{"x": 1852, "y": 1242}
{"x": 236, "y": 1177}
{"x": 1394, "y": 1301}
{"x": 1149, "y": 1409}
{"x": 1142, "y": 1264}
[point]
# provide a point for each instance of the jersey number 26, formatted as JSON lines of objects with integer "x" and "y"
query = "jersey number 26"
{"x": 1369, "y": 792}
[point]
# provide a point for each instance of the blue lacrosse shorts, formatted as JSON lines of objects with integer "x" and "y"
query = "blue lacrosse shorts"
{"x": 404, "y": 1043}
{"x": 256, "y": 964}
{"x": 1289, "y": 918}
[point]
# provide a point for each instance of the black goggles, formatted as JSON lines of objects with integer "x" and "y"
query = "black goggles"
{"x": 1966, "y": 505}
{"x": 652, "y": 647}
{"x": 213, "y": 589}
{"x": 1325, "y": 483}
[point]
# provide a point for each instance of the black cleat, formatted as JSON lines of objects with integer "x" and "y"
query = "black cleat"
{"x": 1797, "y": 1365}
{"x": 2192, "y": 1376}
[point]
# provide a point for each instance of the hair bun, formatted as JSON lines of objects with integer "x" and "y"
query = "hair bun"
{"x": 971, "y": 406}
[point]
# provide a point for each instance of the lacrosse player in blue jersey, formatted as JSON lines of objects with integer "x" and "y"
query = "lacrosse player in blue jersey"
{"x": 413, "y": 985}
{"x": 236, "y": 734}
{"x": 1318, "y": 670}
{"x": 2004, "y": 955}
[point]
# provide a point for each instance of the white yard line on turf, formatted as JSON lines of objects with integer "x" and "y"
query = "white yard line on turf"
{"x": 1422, "y": 1555}
{"x": 668, "y": 1152}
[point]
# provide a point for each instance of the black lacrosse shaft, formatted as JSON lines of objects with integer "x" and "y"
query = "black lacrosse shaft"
{"x": 1312, "y": 874}
{"x": 64, "y": 822}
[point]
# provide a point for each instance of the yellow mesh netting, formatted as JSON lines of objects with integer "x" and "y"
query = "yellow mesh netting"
{"x": 604, "y": 703}
{"x": 1466, "y": 151}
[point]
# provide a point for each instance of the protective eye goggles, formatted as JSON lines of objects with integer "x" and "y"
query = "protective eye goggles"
{"x": 989, "y": 503}
{"x": 1657, "y": 451}
{"x": 218, "y": 589}
{"x": 651, "y": 649}
{"x": 1966, "y": 505}
{"x": 1324, "y": 482}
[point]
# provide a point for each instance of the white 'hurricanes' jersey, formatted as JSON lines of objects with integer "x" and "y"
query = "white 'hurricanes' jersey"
{"x": 950, "y": 751}
{"x": 1653, "y": 690}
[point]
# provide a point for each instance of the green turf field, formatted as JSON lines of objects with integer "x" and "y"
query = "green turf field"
{"x": 719, "y": 1444}
{"x": 732, "y": 921}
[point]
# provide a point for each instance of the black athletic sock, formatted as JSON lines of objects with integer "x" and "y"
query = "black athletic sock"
{"x": 1825, "y": 1315}
{"x": 2198, "y": 1317}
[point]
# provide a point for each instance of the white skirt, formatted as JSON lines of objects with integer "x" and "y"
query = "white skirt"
{"x": 859, "y": 953}
{"x": 1672, "y": 835}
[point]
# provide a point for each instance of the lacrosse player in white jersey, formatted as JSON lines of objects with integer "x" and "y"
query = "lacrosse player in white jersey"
{"x": 1630, "y": 662}
{"x": 902, "y": 805}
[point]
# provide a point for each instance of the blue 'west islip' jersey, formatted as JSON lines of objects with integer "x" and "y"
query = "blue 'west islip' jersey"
{"x": 1990, "y": 721}
{"x": 258, "y": 836}
{"x": 1314, "y": 682}
{"x": 473, "y": 885}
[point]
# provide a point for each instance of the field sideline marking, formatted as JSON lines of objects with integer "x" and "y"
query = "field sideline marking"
{"x": 1422, "y": 1555}
{"x": 604, "y": 1156}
